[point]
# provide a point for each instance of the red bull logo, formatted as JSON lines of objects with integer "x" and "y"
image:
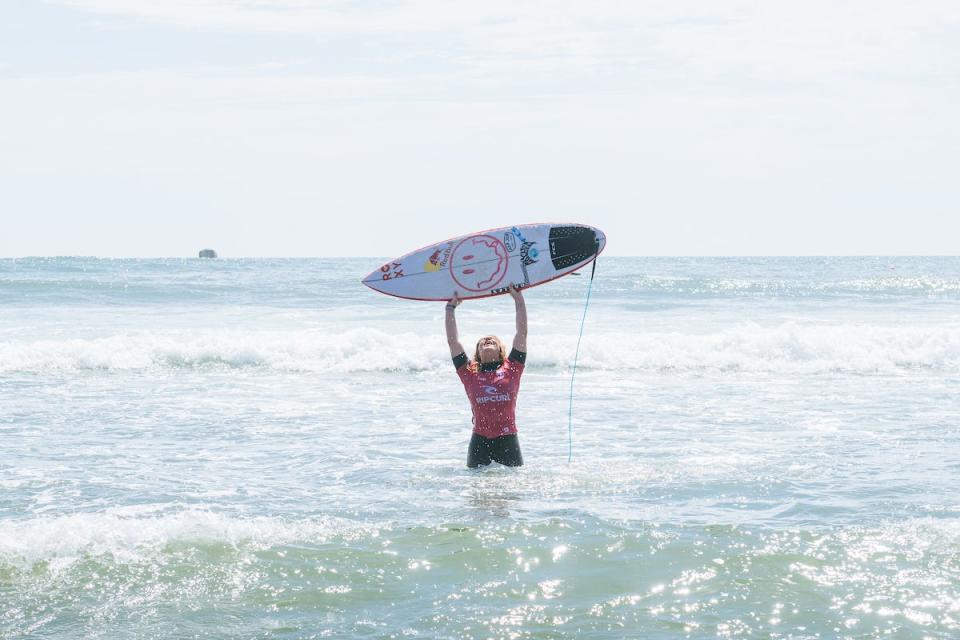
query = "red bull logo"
{"x": 433, "y": 262}
{"x": 438, "y": 259}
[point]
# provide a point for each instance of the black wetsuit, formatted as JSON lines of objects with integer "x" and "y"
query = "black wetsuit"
{"x": 502, "y": 449}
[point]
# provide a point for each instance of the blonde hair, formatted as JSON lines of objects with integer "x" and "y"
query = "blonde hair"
{"x": 476, "y": 352}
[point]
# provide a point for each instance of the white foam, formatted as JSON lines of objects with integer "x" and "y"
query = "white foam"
{"x": 790, "y": 347}
{"x": 130, "y": 534}
{"x": 302, "y": 350}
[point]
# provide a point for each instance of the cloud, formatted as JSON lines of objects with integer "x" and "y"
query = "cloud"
{"x": 699, "y": 127}
{"x": 748, "y": 44}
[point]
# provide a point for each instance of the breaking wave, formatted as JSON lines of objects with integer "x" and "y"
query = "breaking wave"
{"x": 789, "y": 347}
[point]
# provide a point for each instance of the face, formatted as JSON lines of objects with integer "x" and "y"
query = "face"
{"x": 489, "y": 349}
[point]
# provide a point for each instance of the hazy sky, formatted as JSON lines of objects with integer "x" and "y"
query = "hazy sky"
{"x": 336, "y": 127}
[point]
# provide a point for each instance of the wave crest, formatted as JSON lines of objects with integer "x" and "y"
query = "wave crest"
{"x": 789, "y": 347}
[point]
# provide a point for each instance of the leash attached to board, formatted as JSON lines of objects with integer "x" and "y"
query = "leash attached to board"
{"x": 575, "y": 356}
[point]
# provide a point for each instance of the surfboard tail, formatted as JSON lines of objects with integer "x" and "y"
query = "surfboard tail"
{"x": 572, "y": 244}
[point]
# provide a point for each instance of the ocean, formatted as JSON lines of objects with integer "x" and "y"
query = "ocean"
{"x": 265, "y": 448}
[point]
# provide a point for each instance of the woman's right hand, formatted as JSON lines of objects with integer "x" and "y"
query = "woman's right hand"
{"x": 451, "y": 324}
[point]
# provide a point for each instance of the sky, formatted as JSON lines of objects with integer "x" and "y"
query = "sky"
{"x": 343, "y": 128}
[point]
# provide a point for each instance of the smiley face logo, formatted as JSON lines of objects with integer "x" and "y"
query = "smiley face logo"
{"x": 479, "y": 263}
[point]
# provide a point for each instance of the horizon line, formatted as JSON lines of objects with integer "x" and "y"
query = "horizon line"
{"x": 342, "y": 257}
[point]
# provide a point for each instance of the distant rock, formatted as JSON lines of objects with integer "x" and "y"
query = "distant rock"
{"x": 208, "y": 253}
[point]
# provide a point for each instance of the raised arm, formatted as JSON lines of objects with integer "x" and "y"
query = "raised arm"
{"x": 520, "y": 339}
{"x": 453, "y": 341}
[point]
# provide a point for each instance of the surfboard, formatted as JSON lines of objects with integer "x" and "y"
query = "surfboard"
{"x": 485, "y": 263}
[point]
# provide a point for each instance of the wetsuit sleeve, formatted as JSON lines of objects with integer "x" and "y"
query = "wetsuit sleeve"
{"x": 460, "y": 360}
{"x": 518, "y": 356}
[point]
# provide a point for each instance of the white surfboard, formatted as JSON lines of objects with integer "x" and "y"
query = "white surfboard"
{"x": 484, "y": 264}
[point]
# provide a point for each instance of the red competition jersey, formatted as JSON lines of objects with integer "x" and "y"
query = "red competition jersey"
{"x": 493, "y": 397}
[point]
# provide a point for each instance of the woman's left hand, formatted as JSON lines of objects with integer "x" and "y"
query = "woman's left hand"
{"x": 515, "y": 292}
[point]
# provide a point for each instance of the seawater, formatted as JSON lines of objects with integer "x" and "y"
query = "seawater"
{"x": 257, "y": 448}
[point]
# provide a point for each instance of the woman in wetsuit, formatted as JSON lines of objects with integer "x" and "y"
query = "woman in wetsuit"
{"x": 492, "y": 381}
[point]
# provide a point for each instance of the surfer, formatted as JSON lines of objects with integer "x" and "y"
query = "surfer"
{"x": 492, "y": 381}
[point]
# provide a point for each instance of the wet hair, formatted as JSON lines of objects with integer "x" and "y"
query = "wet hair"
{"x": 475, "y": 364}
